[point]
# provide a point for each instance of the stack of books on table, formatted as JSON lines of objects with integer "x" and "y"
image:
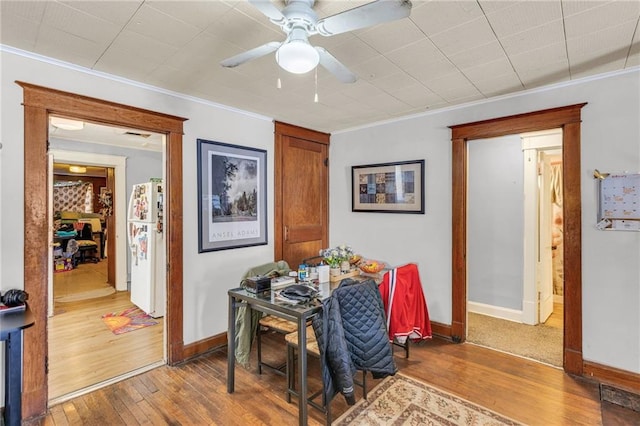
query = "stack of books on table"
{"x": 279, "y": 283}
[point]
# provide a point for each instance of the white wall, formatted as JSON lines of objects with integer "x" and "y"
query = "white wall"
{"x": 207, "y": 276}
{"x": 610, "y": 142}
{"x": 495, "y": 222}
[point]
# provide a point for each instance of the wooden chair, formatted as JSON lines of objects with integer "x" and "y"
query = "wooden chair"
{"x": 87, "y": 247}
{"x": 280, "y": 326}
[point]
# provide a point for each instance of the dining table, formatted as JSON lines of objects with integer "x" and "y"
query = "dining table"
{"x": 268, "y": 303}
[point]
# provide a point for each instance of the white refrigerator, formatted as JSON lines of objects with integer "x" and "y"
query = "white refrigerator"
{"x": 147, "y": 244}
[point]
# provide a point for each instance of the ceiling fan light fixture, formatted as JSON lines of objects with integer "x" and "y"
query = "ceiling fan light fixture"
{"x": 297, "y": 57}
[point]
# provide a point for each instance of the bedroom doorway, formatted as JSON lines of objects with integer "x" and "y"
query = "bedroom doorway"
{"x": 543, "y": 225}
{"x": 568, "y": 118}
{"x": 115, "y": 224}
{"x": 82, "y": 198}
{"x": 511, "y": 193}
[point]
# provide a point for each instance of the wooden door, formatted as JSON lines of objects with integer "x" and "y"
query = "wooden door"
{"x": 301, "y": 193}
{"x": 544, "y": 270}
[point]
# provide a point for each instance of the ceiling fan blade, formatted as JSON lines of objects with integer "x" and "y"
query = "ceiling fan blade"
{"x": 335, "y": 67}
{"x": 366, "y": 15}
{"x": 269, "y": 10}
{"x": 254, "y": 53}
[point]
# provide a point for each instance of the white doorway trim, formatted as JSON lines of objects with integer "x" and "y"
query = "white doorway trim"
{"x": 119, "y": 237}
{"x": 532, "y": 144}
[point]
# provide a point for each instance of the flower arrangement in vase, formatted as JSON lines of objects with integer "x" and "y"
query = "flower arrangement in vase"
{"x": 338, "y": 258}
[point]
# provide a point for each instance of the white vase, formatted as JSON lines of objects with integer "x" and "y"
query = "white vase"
{"x": 345, "y": 266}
{"x": 334, "y": 272}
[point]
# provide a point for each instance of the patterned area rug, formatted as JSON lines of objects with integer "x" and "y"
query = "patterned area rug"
{"x": 130, "y": 319}
{"x": 400, "y": 400}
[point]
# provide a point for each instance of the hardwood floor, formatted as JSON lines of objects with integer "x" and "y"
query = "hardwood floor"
{"x": 84, "y": 278}
{"x": 194, "y": 393}
{"x": 556, "y": 319}
{"x": 83, "y": 352}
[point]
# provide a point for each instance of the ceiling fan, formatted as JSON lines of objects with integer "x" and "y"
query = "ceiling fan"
{"x": 298, "y": 21}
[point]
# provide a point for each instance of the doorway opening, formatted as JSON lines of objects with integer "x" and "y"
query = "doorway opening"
{"x": 80, "y": 213}
{"x": 38, "y": 103}
{"x": 567, "y": 118}
{"x": 512, "y": 195}
{"x": 84, "y": 353}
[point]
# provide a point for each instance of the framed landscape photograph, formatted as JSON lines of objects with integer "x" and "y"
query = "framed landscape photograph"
{"x": 388, "y": 187}
{"x": 232, "y": 196}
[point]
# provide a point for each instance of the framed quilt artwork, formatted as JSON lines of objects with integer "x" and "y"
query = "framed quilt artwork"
{"x": 388, "y": 187}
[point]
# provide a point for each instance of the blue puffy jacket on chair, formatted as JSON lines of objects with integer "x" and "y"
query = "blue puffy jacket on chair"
{"x": 352, "y": 335}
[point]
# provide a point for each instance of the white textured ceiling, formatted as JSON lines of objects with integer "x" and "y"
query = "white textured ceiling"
{"x": 445, "y": 53}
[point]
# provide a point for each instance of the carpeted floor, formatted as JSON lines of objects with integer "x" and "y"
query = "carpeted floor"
{"x": 540, "y": 342}
{"x": 401, "y": 400}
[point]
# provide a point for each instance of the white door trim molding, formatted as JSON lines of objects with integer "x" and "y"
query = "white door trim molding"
{"x": 532, "y": 143}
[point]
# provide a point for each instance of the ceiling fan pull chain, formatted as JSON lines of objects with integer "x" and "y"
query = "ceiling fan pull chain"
{"x": 315, "y": 98}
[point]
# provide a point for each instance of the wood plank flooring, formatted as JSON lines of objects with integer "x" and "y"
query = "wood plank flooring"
{"x": 83, "y": 352}
{"x": 194, "y": 393}
{"x": 85, "y": 277}
{"x": 556, "y": 319}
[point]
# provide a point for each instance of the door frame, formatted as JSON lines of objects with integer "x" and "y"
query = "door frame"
{"x": 568, "y": 119}
{"x": 38, "y": 103}
{"x": 533, "y": 145}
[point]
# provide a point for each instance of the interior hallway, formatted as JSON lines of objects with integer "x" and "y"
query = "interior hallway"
{"x": 83, "y": 352}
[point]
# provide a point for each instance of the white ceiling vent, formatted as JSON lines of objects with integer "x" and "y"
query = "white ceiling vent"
{"x": 142, "y": 135}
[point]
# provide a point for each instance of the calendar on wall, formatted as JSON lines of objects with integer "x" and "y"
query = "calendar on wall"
{"x": 619, "y": 199}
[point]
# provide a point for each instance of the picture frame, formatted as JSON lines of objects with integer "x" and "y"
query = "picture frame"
{"x": 232, "y": 196}
{"x": 396, "y": 187}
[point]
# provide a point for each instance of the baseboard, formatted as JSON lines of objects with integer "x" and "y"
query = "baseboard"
{"x": 616, "y": 377}
{"x": 495, "y": 311}
{"x": 200, "y": 347}
{"x": 441, "y": 330}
